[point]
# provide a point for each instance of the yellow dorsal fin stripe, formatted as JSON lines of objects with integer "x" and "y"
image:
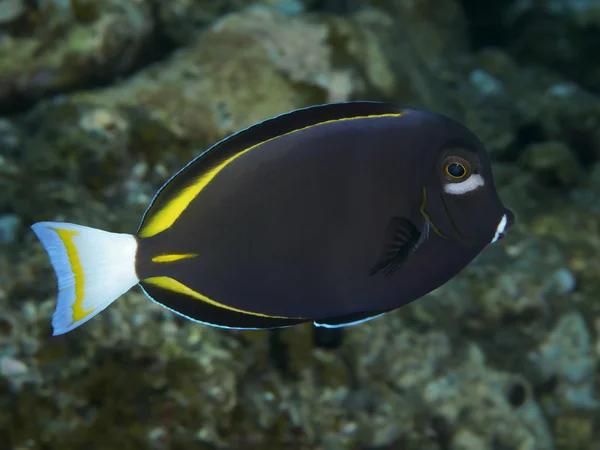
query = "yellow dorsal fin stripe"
{"x": 66, "y": 236}
{"x": 175, "y": 286}
{"x": 167, "y": 216}
{"x": 173, "y": 257}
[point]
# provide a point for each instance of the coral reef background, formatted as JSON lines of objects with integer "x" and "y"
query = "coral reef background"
{"x": 101, "y": 100}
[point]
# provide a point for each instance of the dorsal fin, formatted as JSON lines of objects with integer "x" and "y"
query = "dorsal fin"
{"x": 174, "y": 196}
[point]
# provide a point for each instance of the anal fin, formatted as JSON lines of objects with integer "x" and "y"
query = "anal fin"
{"x": 349, "y": 319}
{"x": 193, "y": 308}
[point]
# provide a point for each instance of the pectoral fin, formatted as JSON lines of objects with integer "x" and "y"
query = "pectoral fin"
{"x": 400, "y": 241}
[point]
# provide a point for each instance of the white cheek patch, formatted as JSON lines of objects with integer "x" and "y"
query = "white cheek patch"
{"x": 472, "y": 183}
{"x": 500, "y": 228}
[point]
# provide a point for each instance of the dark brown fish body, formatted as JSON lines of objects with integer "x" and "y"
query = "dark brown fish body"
{"x": 332, "y": 214}
{"x": 292, "y": 227}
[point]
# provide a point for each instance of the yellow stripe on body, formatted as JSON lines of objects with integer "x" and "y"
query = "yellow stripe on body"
{"x": 175, "y": 286}
{"x": 66, "y": 236}
{"x": 167, "y": 216}
{"x": 173, "y": 257}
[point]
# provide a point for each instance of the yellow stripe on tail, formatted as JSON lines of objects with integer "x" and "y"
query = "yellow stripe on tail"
{"x": 93, "y": 268}
{"x": 66, "y": 236}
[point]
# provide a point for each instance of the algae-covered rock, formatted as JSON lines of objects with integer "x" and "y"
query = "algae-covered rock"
{"x": 567, "y": 356}
{"x": 54, "y": 46}
{"x": 559, "y": 34}
{"x": 204, "y": 92}
{"x": 11, "y": 11}
{"x": 184, "y": 20}
{"x": 555, "y": 162}
{"x": 10, "y": 145}
{"x": 453, "y": 390}
{"x": 410, "y": 51}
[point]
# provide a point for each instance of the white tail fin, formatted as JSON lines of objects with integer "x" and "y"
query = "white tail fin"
{"x": 93, "y": 268}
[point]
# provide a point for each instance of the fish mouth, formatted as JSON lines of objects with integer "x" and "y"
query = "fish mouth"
{"x": 500, "y": 229}
{"x": 453, "y": 232}
{"x": 506, "y": 222}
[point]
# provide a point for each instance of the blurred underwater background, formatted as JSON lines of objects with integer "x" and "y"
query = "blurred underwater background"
{"x": 102, "y": 100}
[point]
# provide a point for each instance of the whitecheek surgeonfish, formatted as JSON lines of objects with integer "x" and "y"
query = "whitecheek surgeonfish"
{"x": 332, "y": 214}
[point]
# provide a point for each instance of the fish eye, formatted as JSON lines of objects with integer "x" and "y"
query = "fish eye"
{"x": 456, "y": 169}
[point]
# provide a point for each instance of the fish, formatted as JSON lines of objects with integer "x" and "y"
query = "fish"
{"x": 332, "y": 214}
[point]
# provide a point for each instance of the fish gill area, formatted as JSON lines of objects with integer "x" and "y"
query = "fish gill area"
{"x": 101, "y": 100}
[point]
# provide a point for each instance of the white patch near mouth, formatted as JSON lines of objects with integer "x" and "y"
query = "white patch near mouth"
{"x": 500, "y": 228}
{"x": 472, "y": 183}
